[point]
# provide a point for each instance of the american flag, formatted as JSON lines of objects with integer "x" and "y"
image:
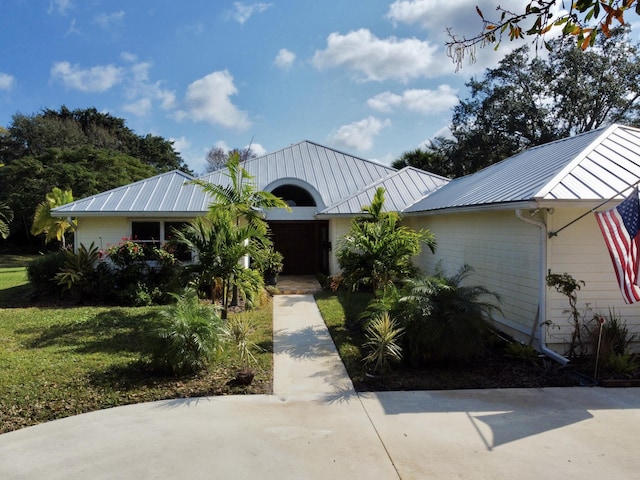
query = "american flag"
{"x": 620, "y": 227}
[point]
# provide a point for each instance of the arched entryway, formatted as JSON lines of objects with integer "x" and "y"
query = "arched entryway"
{"x": 303, "y": 242}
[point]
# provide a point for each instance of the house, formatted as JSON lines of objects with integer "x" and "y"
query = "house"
{"x": 506, "y": 221}
{"x": 324, "y": 187}
{"x": 512, "y": 222}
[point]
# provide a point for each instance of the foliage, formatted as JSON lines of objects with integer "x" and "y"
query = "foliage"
{"x": 234, "y": 228}
{"x": 529, "y": 100}
{"x": 143, "y": 274}
{"x": 521, "y": 351}
{"x": 55, "y": 228}
{"x": 220, "y": 244}
{"x": 78, "y": 269}
{"x": 568, "y": 286}
{"x": 86, "y": 150}
{"x": 621, "y": 364}
{"x": 42, "y": 272}
{"x": 445, "y": 320}
{"x": 238, "y": 330}
{"x": 383, "y": 343}
{"x": 58, "y": 362}
{"x": 188, "y": 336}
{"x": 6, "y": 215}
{"x": 584, "y": 21}
{"x": 218, "y": 157}
{"x": 377, "y": 251}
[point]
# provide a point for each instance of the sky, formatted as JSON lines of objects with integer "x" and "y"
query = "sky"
{"x": 369, "y": 78}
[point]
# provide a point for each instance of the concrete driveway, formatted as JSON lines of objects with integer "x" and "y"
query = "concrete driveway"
{"x": 315, "y": 426}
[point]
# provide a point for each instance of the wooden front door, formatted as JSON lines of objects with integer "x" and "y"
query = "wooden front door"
{"x": 304, "y": 245}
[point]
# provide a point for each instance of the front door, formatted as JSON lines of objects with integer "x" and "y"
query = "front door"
{"x": 304, "y": 246}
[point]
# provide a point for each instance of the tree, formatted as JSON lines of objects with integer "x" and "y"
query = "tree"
{"x": 218, "y": 157}
{"x": 584, "y": 20}
{"x": 55, "y": 228}
{"x": 377, "y": 251}
{"x": 528, "y": 101}
{"x": 86, "y": 150}
{"x": 245, "y": 205}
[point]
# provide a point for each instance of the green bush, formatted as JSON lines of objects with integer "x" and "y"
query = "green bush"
{"x": 188, "y": 335}
{"x": 383, "y": 344}
{"x": 445, "y": 320}
{"x": 42, "y": 271}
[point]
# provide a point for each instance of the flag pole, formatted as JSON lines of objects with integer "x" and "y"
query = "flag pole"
{"x": 555, "y": 233}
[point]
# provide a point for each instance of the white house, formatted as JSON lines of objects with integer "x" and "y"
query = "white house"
{"x": 508, "y": 222}
{"x": 501, "y": 220}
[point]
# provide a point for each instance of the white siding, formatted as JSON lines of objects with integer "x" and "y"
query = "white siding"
{"x": 504, "y": 253}
{"x": 580, "y": 251}
{"x": 338, "y": 228}
{"x": 102, "y": 231}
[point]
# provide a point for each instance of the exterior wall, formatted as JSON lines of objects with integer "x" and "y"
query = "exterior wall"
{"x": 504, "y": 253}
{"x": 338, "y": 228}
{"x": 102, "y": 231}
{"x": 580, "y": 251}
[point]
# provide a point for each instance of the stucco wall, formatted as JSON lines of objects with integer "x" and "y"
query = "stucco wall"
{"x": 504, "y": 253}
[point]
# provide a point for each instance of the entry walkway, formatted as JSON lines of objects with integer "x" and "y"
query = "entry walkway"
{"x": 315, "y": 426}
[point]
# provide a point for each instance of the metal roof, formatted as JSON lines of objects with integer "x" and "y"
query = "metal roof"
{"x": 402, "y": 188}
{"x": 168, "y": 194}
{"x": 333, "y": 174}
{"x": 590, "y": 166}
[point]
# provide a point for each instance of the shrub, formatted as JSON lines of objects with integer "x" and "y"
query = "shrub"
{"x": 445, "y": 320}
{"x": 383, "y": 345}
{"x": 188, "y": 335}
{"x": 621, "y": 364}
{"x": 41, "y": 272}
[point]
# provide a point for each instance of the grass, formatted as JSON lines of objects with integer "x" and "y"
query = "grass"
{"x": 62, "y": 361}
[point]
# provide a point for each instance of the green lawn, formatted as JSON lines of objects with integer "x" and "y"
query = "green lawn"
{"x": 60, "y": 361}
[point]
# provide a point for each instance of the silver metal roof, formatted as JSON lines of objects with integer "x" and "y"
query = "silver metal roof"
{"x": 333, "y": 174}
{"x": 402, "y": 188}
{"x": 591, "y": 166}
{"x": 167, "y": 194}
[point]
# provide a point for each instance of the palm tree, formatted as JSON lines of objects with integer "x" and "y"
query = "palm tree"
{"x": 55, "y": 228}
{"x": 377, "y": 251}
{"x": 242, "y": 201}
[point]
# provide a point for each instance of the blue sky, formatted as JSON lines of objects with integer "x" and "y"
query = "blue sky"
{"x": 370, "y": 78}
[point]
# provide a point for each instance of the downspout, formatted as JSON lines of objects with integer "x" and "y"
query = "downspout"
{"x": 542, "y": 302}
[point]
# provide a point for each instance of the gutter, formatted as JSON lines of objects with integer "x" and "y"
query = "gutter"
{"x": 542, "y": 302}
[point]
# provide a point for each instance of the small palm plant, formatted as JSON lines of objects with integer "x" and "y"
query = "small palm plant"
{"x": 238, "y": 330}
{"x": 383, "y": 343}
{"x": 188, "y": 336}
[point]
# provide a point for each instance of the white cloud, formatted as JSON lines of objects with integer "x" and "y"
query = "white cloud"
{"x": 140, "y": 108}
{"x": 416, "y": 100}
{"x": 285, "y": 58}
{"x": 60, "y": 6}
{"x": 372, "y": 58}
{"x": 94, "y": 79}
{"x": 359, "y": 135}
{"x": 180, "y": 144}
{"x": 109, "y": 20}
{"x": 244, "y": 11}
{"x": 6, "y": 81}
{"x": 207, "y": 99}
{"x": 256, "y": 148}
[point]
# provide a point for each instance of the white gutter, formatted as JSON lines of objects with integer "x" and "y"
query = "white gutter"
{"x": 542, "y": 302}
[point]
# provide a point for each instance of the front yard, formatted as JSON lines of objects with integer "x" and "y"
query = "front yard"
{"x": 57, "y": 361}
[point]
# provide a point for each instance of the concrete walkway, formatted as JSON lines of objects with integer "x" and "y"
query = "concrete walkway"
{"x": 315, "y": 426}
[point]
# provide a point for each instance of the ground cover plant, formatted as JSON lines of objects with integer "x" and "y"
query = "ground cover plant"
{"x": 500, "y": 365}
{"x": 61, "y": 361}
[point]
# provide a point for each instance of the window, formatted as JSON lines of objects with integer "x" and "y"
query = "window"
{"x": 295, "y": 196}
{"x": 155, "y": 233}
